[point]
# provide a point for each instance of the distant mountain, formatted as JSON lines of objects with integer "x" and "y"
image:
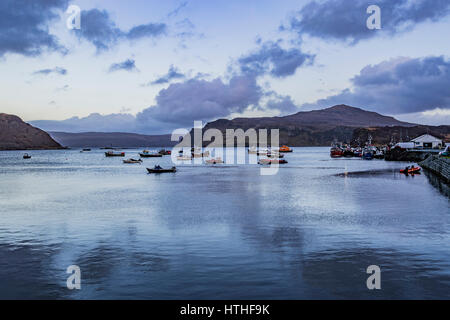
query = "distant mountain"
{"x": 313, "y": 128}
{"x": 18, "y": 135}
{"x": 111, "y": 139}
{"x": 117, "y": 122}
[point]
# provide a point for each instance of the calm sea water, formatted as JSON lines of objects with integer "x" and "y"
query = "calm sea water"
{"x": 222, "y": 232}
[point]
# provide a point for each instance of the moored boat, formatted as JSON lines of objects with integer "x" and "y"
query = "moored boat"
{"x": 214, "y": 160}
{"x": 165, "y": 152}
{"x": 114, "y": 154}
{"x": 184, "y": 158}
{"x": 132, "y": 161}
{"x": 285, "y": 149}
{"x": 336, "y": 152}
{"x": 147, "y": 154}
{"x": 272, "y": 161}
{"x": 158, "y": 169}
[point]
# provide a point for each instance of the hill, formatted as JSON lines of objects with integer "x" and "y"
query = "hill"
{"x": 313, "y": 128}
{"x": 18, "y": 135}
{"x": 111, "y": 139}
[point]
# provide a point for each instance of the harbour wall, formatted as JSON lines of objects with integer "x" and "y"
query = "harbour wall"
{"x": 438, "y": 165}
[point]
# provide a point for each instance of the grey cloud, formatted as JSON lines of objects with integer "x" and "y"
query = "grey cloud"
{"x": 148, "y": 30}
{"x": 282, "y": 103}
{"x": 172, "y": 74}
{"x": 398, "y": 86}
{"x": 271, "y": 58}
{"x": 346, "y": 20}
{"x": 194, "y": 99}
{"x": 127, "y": 65}
{"x": 24, "y": 26}
{"x": 55, "y": 70}
{"x": 98, "y": 28}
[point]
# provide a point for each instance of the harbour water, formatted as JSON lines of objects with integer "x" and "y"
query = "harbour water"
{"x": 220, "y": 231}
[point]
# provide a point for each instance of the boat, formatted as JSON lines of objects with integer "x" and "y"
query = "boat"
{"x": 369, "y": 151}
{"x": 357, "y": 152}
{"x": 262, "y": 152}
{"x": 272, "y": 161}
{"x": 367, "y": 154}
{"x": 214, "y": 160}
{"x": 252, "y": 150}
{"x": 348, "y": 153}
{"x": 379, "y": 154}
{"x": 147, "y": 154}
{"x": 158, "y": 169}
{"x": 285, "y": 149}
{"x": 196, "y": 154}
{"x": 273, "y": 154}
{"x": 26, "y": 156}
{"x": 445, "y": 153}
{"x": 413, "y": 170}
{"x": 132, "y": 161}
{"x": 86, "y": 149}
{"x": 184, "y": 158}
{"x": 336, "y": 152}
{"x": 165, "y": 152}
{"x": 114, "y": 154}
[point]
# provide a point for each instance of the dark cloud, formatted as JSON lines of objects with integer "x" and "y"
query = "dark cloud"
{"x": 272, "y": 59}
{"x": 172, "y": 74}
{"x": 55, "y": 70}
{"x": 150, "y": 30}
{"x": 346, "y": 20}
{"x": 98, "y": 28}
{"x": 282, "y": 103}
{"x": 24, "y": 26}
{"x": 182, "y": 103}
{"x": 398, "y": 86}
{"x": 127, "y": 65}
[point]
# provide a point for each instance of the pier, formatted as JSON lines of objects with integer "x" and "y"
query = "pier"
{"x": 438, "y": 165}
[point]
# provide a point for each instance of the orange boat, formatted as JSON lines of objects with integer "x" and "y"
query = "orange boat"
{"x": 411, "y": 170}
{"x": 285, "y": 149}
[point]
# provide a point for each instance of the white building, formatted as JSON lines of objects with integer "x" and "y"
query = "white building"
{"x": 427, "y": 141}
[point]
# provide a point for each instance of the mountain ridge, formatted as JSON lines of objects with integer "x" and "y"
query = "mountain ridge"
{"x": 16, "y": 134}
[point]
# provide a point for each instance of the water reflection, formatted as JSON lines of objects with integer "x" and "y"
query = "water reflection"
{"x": 220, "y": 232}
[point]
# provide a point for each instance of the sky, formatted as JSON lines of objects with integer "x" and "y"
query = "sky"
{"x": 152, "y": 66}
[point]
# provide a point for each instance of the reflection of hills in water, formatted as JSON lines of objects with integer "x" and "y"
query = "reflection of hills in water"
{"x": 438, "y": 183}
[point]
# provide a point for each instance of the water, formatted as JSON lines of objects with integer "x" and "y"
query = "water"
{"x": 222, "y": 232}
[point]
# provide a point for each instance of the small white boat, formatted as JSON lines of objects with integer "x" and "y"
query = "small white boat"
{"x": 214, "y": 160}
{"x": 132, "y": 161}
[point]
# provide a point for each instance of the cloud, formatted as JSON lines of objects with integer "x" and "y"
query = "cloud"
{"x": 150, "y": 30}
{"x": 177, "y": 10}
{"x": 55, "y": 70}
{"x": 172, "y": 74}
{"x": 98, "y": 28}
{"x": 433, "y": 117}
{"x": 183, "y": 103}
{"x": 127, "y": 65}
{"x": 24, "y": 26}
{"x": 272, "y": 59}
{"x": 398, "y": 86}
{"x": 282, "y": 103}
{"x": 346, "y": 20}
